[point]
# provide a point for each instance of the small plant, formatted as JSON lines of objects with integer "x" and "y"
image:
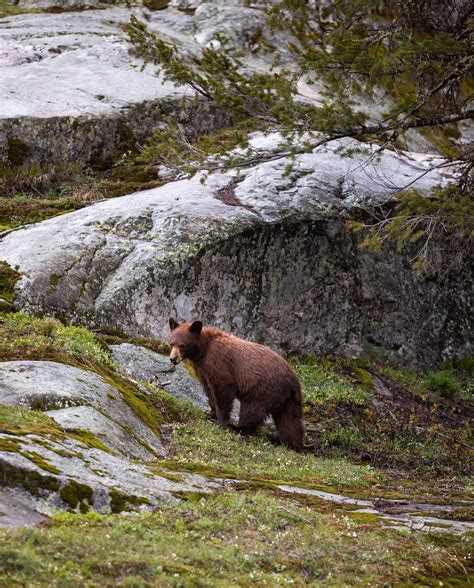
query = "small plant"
{"x": 444, "y": 383}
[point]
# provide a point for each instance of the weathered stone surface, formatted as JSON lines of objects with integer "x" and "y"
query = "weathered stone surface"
{"x": 56, "y": 388}
{"x": 72, "y": 4}
{"x": 276, "y": 263}
{"x": 87, "y": 100}
{"x": 41, "y": 474}
{"x": 109, "y": 482}
{"x": 144, "y": 364}
{"x": 122, "y": 441}
{"x": 14, "y": 513}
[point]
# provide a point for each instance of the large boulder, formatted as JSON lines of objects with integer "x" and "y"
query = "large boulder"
{"x": 263, "y": 254}
{"x": 87, "y": 101}
{"x": 78, "y": 399}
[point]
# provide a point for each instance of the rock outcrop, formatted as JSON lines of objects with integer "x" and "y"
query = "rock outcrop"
{"x": 77, "y": 399}
{"x": 95, "y": 454}
{"x": 87, "y": 101}
{"x": 263, "y": 254}
{"x": 145, "y": 365}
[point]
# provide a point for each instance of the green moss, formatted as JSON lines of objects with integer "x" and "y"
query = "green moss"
{"x": 54, "y": 280}
{"x": 16, "y": 420}
{"x": 444, "y": 382}
{"x": 441, "y": 140}
{"x": 35, "y": 483}
{"x": 8, "y": 278}
{"x": 364, "y": 377}
{"x": 171, "y": 409}
{"x": 191, "y": 496}
{"x": 156, "y": 4}
{"x": 75, "y": 494}
{"x": 9, "y": 445}
{"x": 139, "y": 402}
{"x": 155, "y": 469}
{"x": 323, "y": 380}
{"x": 45, "y": 338}
{"x": 120, "y": 501}
{"x": 8, "y": 9}
{"x": 88, "y": 439}
{"x": 113, "y": 336}
{"x": 17, "y": 151}
{"x": 452, "y": 132}
{"x": 40, "y": 461}
{"x": 155, "y": 408}
{"x": 365, "y": 518}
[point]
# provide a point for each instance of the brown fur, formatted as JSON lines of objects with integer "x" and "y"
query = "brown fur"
{"x": 229, "y": 368}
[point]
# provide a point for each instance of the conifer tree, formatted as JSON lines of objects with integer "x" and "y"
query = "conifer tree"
{"x": 413, "y": 57}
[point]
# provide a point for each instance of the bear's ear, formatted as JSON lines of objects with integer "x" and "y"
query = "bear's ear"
{"x": 173, "y": 323}
{"x": 196, "y": 327}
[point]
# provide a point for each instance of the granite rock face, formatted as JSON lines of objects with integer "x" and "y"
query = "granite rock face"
{"x": 87, "y": 101}
{"x": 146, "y": 365}
{"x": 265, "y": 255}
{"x": 99, "y": 461}
{"x": 78, "y": 399}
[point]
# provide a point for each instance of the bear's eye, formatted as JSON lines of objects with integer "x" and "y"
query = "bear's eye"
{"x": 180, "y": 347}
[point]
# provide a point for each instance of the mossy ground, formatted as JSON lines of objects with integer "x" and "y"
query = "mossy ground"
{"x": 372, "y": 412}
{"x": 8, "y": 278}
{"x": 7, "y": 9}
{"x": 228, "y": 539}
{"x": 253, "y": 533}
{"x": 30, "y": 193}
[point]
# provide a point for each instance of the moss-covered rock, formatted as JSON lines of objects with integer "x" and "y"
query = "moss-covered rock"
{"x": 8, "y": 278}
{"x": 75, "y": 494}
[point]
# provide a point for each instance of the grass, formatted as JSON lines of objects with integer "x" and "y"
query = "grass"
{"x": 323, "y": 381}
{"x": 228, "y": 539}
{"x": 32, "y": 194}
{"x": 7, "y": 9}
{"x": 421, "y": 427}
{"x": 16, "y": 420}
{"x": 205, "y": 447}
{"x": 8, "y": 278}
{"x": 23, "y": 336}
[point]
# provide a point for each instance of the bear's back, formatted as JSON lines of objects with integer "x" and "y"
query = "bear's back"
{"x": 250, "y": 363}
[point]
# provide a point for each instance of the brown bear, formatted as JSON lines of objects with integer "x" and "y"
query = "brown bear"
{"x": 229, "y": 368}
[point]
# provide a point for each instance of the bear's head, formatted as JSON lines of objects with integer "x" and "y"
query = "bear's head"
{"x": 185, "y": 340}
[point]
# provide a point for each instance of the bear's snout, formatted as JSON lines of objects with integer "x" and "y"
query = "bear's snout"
{"x": 175, "y": 355}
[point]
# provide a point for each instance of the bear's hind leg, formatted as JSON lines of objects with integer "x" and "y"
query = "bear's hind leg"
{"x": 289, "y": 424}
{"x": 251, "y": 418}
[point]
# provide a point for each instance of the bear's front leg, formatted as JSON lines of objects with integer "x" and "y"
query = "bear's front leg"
{"x": 209, "y": 392}
{"x": 224, "y": 399}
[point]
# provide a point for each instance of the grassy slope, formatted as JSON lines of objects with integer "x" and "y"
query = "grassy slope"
{"x": 249, "y": 534}
{"x": 230, "y": 539}
{"x": 31, "y": 194}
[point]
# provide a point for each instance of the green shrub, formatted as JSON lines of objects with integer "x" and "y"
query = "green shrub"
{"x": 444, "y": 383}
